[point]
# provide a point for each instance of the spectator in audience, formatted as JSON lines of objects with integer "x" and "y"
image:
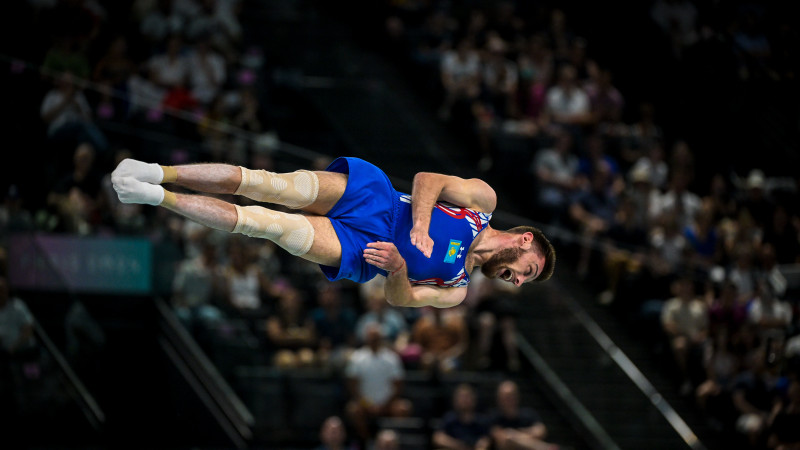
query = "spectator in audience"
{"x": 492, "y": 317}
{"x": 15, "y": 215}
{"x": 246, "y": 288}
{"x": 499, "y": 79}
{"x": 755, "y": 200}
{"x": 783, "y": 235}
{"x": 196, "y": 291}
{"x": 464, "y": 426}
{"x": 644, "y": 194}
{"x": 208, "y": 70}
{"x": 387, "y": 439}
{"x": 641, "y": 134}
{"x": 443, "y": 337}
{"x": 684, "y": 319}
{"x": 606, "y": 104}
{"x": 566, "y": 103}
{"x": 506, "y": 19}
{"x": 769, "y": 269}
{"x": 290, "y": 331}
{"x": 701, "y": 236}
{"x": 77, "y": 197}
{"x": 668, "y": 246}
{"x": 721, "y": 365}
{"x": 682, "y": 159}
{"x": 721, "y": 198}
{"x": 374, "y": 376}
{"x": 214, "y": 129}
{"x": 652, "y": 164}
{"x": 157, "y": 22}
{"x": 112, "y": 72}
{"x": 591, "y": 212}
{"x": 783, "y": 426}
{"x": 249, "y": 118}
{"x": 168, "y": 68}
{"x": 68, "y": 116}
{"x": 394, "y": 326}
{"x": 743, "y": 271}
{"x": 679, "y": 200}
{"x": 771, "y": 315}
{"x": 756, "y": 391}
{"x": 218, "y": 20}
{"x": 333, "y": 435}
{"x": 536, "y": 67}
{"x": 577, "y": 55}
{"x": 514, "y": 426}
{"x": 559, "y": 33}
{"x": 726, "y": 311}
{"x": 427, "y": 43}
{"x": 66, "y": 55}
{"x": 625, "y": 247}
{"x": 334, "y": 325}
{"x": 460, "y": 75}
{"x": 555, "y": 168}
{"x": 497, "y": 103}
{"x": 596, "y": 157}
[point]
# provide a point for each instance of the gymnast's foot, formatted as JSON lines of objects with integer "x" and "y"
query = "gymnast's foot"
{"x": 131, "y": 190}
{"x": 147, "y": 172}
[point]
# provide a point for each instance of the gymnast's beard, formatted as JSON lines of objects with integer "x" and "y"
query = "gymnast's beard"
{"x": 502, "y": 258}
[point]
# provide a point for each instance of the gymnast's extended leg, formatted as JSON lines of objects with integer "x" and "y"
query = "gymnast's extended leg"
{"x": 313, "y": 192}
{"x": 309, "y": 236}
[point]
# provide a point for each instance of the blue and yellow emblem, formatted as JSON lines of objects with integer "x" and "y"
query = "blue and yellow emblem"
{"x": 452, "y": 251}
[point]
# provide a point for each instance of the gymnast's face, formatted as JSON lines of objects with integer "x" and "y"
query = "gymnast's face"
{"x": 514, "y": 265}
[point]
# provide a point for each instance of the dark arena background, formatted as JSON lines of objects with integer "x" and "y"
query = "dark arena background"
{"x": 654, "y": 142}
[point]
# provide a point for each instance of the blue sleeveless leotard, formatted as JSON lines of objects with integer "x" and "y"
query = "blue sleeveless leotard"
{"x": 372, "y": 210}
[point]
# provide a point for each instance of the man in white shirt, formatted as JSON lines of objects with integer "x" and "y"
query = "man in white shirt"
{"x": 374, "y": 376}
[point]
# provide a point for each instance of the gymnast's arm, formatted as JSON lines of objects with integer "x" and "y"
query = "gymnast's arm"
{"x": 399, "y": 292}
{"x": 428, "y": 188}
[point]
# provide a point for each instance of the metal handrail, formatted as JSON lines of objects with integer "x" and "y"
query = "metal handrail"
{"x": 90, "y": 407}
{"x": 212, "y": 381}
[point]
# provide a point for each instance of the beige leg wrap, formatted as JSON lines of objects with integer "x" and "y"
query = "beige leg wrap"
{"x": 295, "y": 190}
{"x": 293, "y": 232}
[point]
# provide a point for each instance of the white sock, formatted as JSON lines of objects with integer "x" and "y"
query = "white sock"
{"x": 146, "y": 172}
{"x": 131, "y": 190}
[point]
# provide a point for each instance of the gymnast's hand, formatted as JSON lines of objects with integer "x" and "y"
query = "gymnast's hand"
{"x": 421, "y": 240}
{"x": 384, "y": 255}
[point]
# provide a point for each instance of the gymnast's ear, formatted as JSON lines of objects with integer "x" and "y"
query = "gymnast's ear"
{"x": 525, "y": 240}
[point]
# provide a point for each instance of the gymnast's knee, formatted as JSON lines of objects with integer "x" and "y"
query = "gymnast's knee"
{"x": 292, "y": 232}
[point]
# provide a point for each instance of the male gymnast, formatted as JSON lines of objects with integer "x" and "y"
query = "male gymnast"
{"x": 355, "y": 225}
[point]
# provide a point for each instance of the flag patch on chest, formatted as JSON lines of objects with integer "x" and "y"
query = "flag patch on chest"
{"x": 453, "y": 251}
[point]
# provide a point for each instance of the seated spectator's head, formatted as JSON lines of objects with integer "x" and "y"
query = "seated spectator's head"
{"x": 464, "y": 398}
{"x": 508, "y": 397}
{"x": 387, "y": 439}
{"x": 567, "y": 76}
{"x": 373, "y": 335}
{"x": 333, "y": 434}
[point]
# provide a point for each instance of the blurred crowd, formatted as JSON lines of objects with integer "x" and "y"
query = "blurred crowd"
{"x": 710, "y": 258}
